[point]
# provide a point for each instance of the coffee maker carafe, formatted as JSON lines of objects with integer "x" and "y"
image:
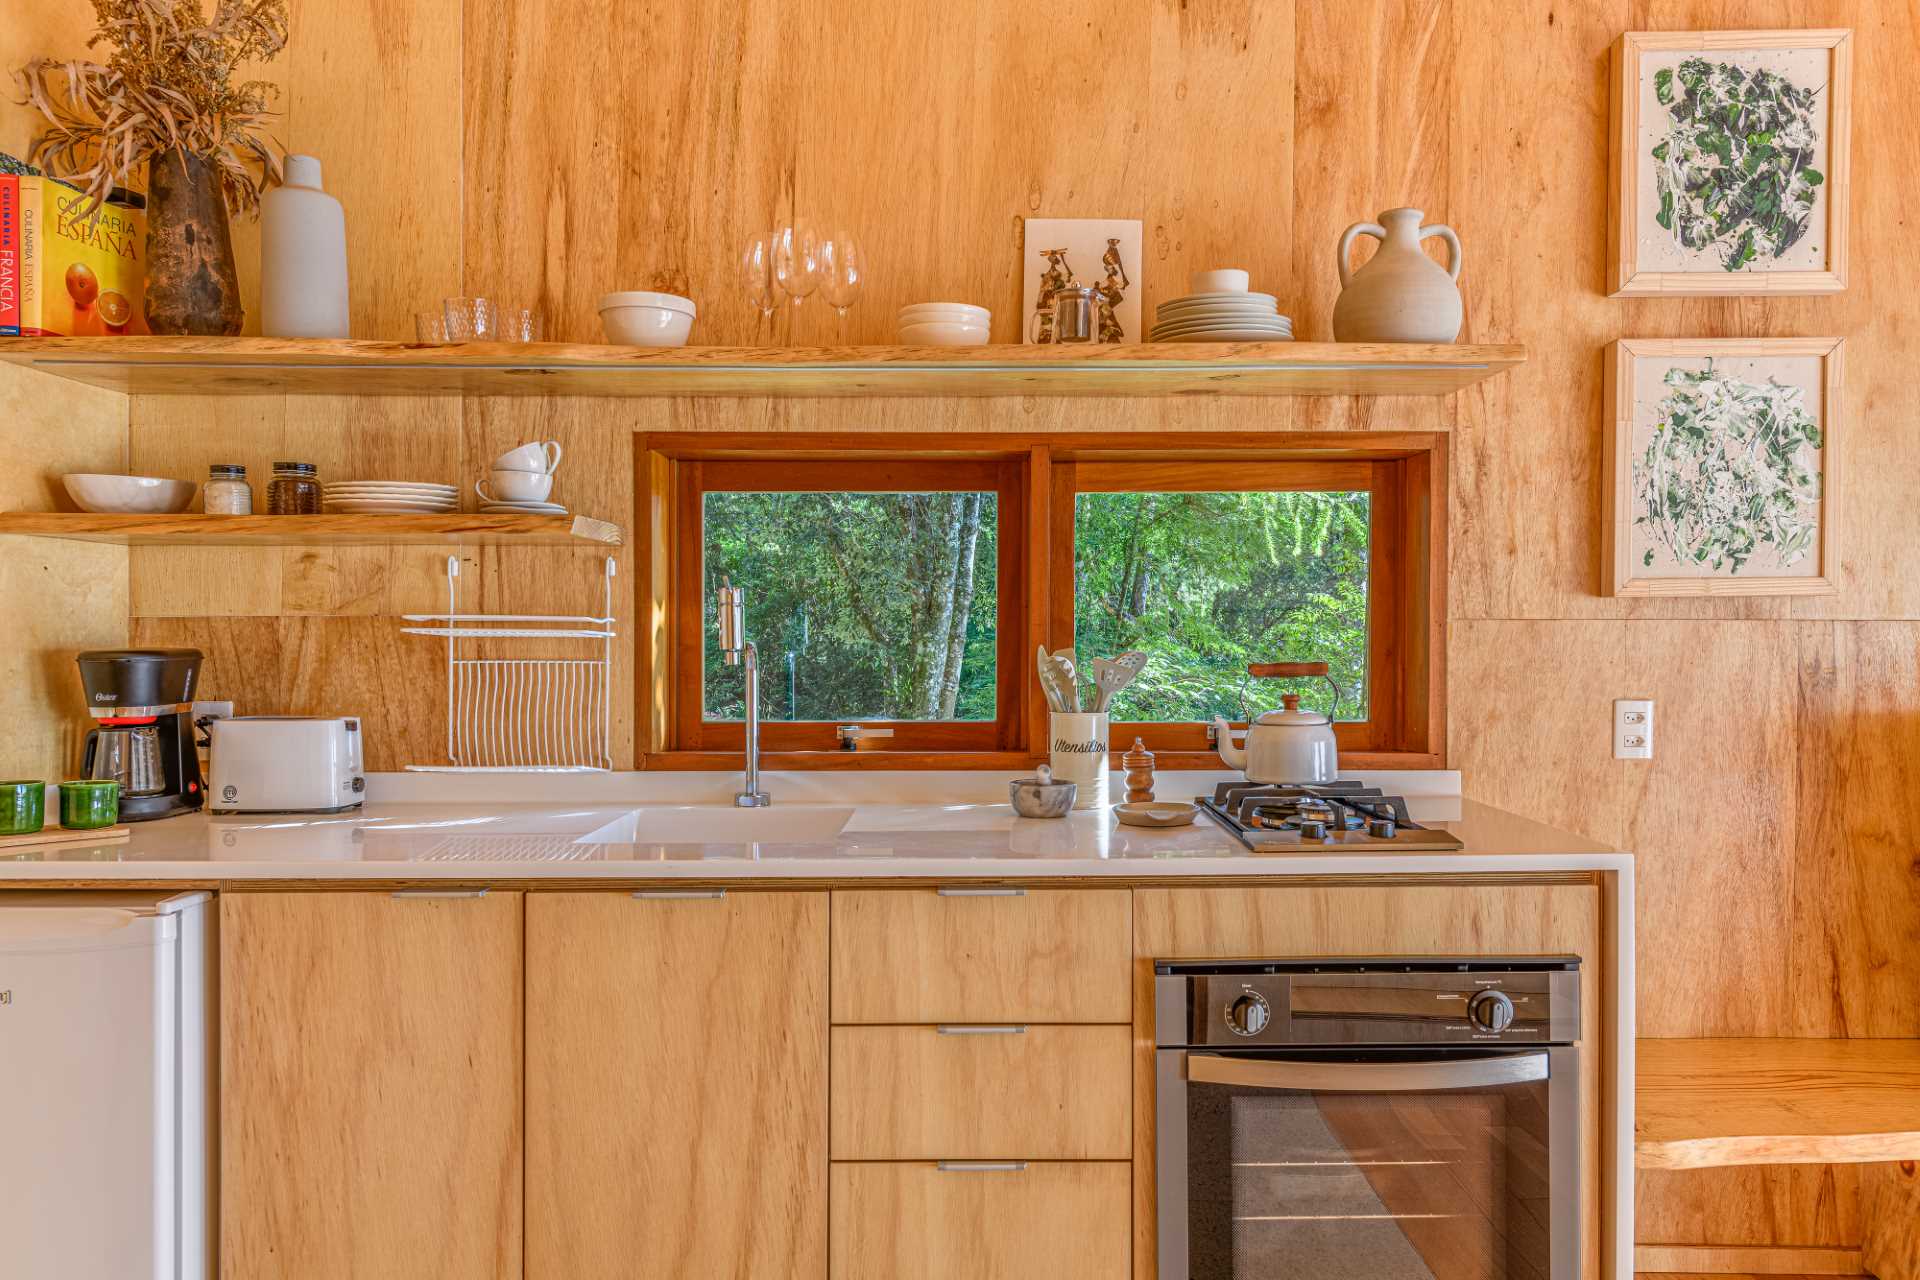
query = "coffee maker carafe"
{"x": 142, "y": 700}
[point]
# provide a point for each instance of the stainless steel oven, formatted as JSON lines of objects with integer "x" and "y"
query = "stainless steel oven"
{"x": 1376, "y": 1119}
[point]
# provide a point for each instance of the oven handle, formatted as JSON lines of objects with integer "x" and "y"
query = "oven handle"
{"x": 1367, "y": 1077}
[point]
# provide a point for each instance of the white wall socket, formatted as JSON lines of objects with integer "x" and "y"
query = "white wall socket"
{"x": 1633, "y": 729}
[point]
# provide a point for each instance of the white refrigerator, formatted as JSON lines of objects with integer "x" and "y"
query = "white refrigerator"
{"x": 106, "y": 1085}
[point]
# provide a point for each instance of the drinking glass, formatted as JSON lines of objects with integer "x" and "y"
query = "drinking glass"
{"x": 430, "y": 327}
{"x": 842, "y": 271}
{"x": 756, "y": 273}
{"x": 472, "y": 320}
{"x": 796, "y": 261}
{"x": 518, "y": 324}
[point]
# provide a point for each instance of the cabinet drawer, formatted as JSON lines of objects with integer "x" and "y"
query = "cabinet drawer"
{"x": 1042, "y": 1221}
{"x": 981, "y": 1093}
{"x": 972, "y": 955}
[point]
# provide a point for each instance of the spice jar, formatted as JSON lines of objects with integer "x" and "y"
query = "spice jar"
{"x": 295, "y": 490}
{"x": 1073, "y": 314}
{"x": 227, "y": 492}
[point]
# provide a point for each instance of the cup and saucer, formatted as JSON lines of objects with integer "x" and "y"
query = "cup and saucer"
{"x": 521, "y": 480}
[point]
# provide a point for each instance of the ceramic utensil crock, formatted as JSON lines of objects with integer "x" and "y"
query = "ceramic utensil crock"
{"x": 1079, "y": 755}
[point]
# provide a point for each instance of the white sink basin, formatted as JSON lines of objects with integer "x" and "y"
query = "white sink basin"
{"x": 721, "y": 824}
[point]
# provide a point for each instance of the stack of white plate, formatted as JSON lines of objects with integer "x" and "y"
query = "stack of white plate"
{"x": 944, "y": 324}
{"x": 388, "y": 497}
{"x": 1234, "y": 315}
{"x": 523, "y": 508}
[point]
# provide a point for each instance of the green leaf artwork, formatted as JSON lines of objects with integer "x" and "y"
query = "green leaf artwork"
{"x": 1734, "y": 169}
{"x": 1730, "y": 469}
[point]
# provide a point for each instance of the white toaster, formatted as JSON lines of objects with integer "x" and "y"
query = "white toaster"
{"x": 286, "y": 764}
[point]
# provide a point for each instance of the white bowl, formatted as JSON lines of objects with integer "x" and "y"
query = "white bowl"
{"x": 943, "y": 333}
{"x": 1219, "y": 280}
{"x": 945, "y": 310}
{"x": 641, "y": 319}
{"x": 128, "y": 495}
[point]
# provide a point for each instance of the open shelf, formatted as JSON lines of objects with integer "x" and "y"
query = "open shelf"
{"x": 1705, "y": 1103}
{"x": 314, "y": 531}
{"x": 283, "y": 366}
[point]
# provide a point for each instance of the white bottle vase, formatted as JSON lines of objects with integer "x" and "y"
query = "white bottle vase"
{"x": 303, "y": 257}
{"x": 1401, "y": 295}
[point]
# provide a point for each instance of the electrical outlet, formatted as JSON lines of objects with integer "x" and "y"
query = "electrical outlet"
{"x": 1633, "y": 729}
{"x": 213, "y": 710}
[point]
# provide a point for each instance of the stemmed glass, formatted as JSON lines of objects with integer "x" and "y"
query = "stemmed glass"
{"x": 842, "y": 271}
{"x": 756, "y": 274}
{"x": 796, "y": 261}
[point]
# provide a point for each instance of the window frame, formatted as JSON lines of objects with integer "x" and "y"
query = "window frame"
{"x": 1036, "y": 477}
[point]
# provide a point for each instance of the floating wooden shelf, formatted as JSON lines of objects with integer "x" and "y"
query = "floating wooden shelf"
{"x": 313, "y": 531}
{"x": 280, "y": 366}
{"x": 1704, "y": 1103}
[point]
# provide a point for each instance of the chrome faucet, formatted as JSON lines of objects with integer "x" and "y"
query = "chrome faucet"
{"x": 739, "y": 652}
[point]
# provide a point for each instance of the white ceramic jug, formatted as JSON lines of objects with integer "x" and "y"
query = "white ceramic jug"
{"x": 1401, "y": 295}
{"x": 303, "y": 257}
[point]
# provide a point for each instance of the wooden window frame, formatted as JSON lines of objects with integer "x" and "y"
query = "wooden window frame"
{"x": 1035, "y": 477}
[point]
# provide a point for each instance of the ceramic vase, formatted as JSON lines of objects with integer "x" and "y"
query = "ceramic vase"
{"x": 1401, "y": 295}
{"x": 192, "y": 285}
{"x": 303, "y": 257}
{"x": 1078, "y": 754}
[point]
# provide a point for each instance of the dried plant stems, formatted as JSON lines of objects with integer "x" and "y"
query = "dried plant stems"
{"x": 167, "y": 84}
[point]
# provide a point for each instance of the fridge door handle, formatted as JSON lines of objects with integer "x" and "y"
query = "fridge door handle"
{"x": 1367, "y": 1077}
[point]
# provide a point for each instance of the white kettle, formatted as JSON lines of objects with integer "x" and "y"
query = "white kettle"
{"x": 1288, "y": 745}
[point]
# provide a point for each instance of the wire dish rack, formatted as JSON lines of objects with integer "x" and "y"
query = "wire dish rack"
{"x": 523, "y": 715}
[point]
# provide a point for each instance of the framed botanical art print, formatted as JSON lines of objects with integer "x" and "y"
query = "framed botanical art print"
{"x": 1729, "y": 162}
{"x": 1720, "y": 467}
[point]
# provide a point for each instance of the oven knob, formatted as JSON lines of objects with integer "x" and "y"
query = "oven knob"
{"x": 1491, "y": 1010}
{"x": 1248, "y": 1015}
{"x": 1311, "y": 829}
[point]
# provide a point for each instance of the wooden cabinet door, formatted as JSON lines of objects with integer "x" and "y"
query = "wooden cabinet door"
{"x": 677, "y": 1085}
{"x": 370, "y": 1085}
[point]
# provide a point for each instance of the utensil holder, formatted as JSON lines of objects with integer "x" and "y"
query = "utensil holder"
{"x": 1078, "y": 742}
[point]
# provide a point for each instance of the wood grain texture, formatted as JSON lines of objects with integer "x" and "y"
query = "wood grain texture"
{"x": 1892, "y": 1247}
{"x": 370, "y": 1054}
{"x": 1702, "y": 1103}
{"x": 1426, "y": 920}
{"x": 919, "y": 956}
{"x": 1722, "y": 1260}
{"x": 1038, "y": 1093}
{"x": 191, "y": 530}
{"x": 1036, "y": 1223}
{"x": 676, "y": 1085}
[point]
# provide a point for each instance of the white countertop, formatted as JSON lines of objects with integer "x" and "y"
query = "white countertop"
{"x": 464, "y": 840}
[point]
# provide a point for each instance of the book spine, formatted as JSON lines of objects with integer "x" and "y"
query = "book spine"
{"x": 9, "y": 255}
{"x": 31, "y": 255}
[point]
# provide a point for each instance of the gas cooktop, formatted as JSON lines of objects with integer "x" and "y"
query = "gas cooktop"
{"x": 1322, "y": 815}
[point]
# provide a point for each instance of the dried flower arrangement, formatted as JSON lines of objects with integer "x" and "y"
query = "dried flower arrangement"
{"x": 168, "y": 85}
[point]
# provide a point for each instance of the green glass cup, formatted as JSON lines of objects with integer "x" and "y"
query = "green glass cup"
{"x": 23, "y": 808}
{"x": 88, "y": 804}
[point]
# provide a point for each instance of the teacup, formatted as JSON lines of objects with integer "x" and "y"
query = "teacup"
{"x": 515, "y": 486}
{"x": 542, "y": 457}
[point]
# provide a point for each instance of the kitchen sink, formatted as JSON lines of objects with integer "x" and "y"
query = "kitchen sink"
{"x": 720, "y": 824}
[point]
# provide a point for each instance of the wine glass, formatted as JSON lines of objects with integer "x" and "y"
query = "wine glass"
{"x": 756, "y": 273}
{"x": 843, "y": 269}
{"x": 796, "y": 261}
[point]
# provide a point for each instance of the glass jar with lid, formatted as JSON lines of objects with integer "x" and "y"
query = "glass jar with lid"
{"x": 1073, "y": 313}
{"x": 227, "y": 492}
{"x": 295, "y": 490}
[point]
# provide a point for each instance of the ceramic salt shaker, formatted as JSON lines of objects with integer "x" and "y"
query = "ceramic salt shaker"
{"x": 303, "y": 257}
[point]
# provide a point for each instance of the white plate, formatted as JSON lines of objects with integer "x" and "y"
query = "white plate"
{"x": 524, "y": 509}
{"x": 1185, "y": 331}
{"x": 1188, "y": 317}
{"x": 1186, "y": 322}
{"x": 387, "y": 486}
{"x": 1230, "y": 335}
{"x": 1221, "y": 299}
{"x": 372, "y": 507}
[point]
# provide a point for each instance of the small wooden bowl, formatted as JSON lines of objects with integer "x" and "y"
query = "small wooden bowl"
{"x": 1156, "y": 813}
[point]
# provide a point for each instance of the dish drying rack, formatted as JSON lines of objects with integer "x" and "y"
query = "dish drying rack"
{"x": 524, "y": 715}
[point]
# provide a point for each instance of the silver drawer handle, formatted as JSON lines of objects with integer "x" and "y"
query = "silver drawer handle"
{"x": 981, "y": 893}
{"x": 439, "y": 893}
{"x": 676, "y": 895}
{"x": 975, "y": 1029}
{"x": 981, "y": 1166}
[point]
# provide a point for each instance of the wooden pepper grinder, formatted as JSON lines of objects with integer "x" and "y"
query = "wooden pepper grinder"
{"x": 1139, "y": 766}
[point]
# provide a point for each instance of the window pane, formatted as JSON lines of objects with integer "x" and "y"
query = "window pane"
{"x": 863, "y": 606}
{"x": 1208, "y": 582}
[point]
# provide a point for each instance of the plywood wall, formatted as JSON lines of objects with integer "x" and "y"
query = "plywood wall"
{"x": 553, "y": 151}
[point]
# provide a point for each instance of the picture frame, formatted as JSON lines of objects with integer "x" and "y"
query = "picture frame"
{"x": 1720, "y": 476}
{"x": 1105, "y": 253}
{"x": 1780, "y": 229}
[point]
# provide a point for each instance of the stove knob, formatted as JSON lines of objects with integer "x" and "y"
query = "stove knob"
{"x": 1380, "y": 829}
{"x": 1248, "y": 1015}
{"x": 1491, "y": 1010}
{"x": 1311, "y": 830}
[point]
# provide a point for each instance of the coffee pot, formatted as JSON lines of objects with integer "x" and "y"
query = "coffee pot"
{"x": 1288, "y": 745}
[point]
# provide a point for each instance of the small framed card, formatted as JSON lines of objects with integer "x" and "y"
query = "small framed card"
{"x": 1103, "y": 253}
{"x": 1730, "y": 171}
{"x": 1720, "y": 467}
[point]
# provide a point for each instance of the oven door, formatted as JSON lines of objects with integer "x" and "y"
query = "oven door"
{"x": 1375, "y": 1164}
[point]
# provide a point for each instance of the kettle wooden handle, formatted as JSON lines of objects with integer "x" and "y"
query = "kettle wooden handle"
{"x": 1270, "y": 669}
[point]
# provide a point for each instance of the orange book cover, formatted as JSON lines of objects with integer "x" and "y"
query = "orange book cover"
{"x": 83, "y": 274}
